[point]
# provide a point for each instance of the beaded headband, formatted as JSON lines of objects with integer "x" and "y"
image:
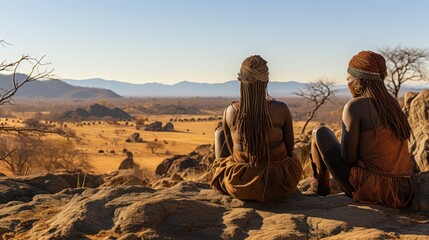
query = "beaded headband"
{"x": 250, "y": 75}
{"x": 362, "y": 74}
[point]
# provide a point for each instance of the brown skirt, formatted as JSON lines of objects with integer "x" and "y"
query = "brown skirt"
{"x": 268, "y": 181}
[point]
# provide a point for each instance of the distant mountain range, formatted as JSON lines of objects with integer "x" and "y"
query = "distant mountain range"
{"x": 192, "y": 89}
{"x": 109, "y": 89}
{"x": 57, "y": 89}
{"x": 185, "y": 88}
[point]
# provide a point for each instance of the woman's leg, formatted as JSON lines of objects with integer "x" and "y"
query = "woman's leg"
{"x": 326, "y": 154}
{"x": 321, "y": 178}
{"x": 221, "y": 149}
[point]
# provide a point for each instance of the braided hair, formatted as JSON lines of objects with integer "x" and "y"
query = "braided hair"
{"x": 370, "y": 69}
{"x": 252, "y": 120}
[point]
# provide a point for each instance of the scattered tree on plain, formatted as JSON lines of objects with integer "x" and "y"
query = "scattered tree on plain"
{"x": 153, "y": 146}
{"x": 21, "y": 154}
{"x": 36, "y": 70}
{"x": 404, "y": 64}
{"x": 317, "y": 93}
{"x": 21, "y": 148}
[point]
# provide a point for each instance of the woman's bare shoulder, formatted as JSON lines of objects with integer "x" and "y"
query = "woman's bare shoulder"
{"x": 278, "y": 103}
{"x": 357, "y": 106}
{"x": 356, "y": 102}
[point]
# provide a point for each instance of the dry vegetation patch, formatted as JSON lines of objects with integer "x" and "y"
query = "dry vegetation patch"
{"x": 101, "y": 141}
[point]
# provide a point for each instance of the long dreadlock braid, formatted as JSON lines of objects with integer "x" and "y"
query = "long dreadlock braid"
{"x": 252, "y": 120}
{"x": 390, "y": 112}
{"x": 370, "y": 68}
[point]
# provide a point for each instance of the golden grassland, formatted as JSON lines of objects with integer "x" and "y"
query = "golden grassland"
{"x": 112, "y": 137}
{"x": 101, "y": 135}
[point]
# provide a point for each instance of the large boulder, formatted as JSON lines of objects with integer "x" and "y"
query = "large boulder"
{"x": 169, "y": 127}
{"x": 24, "y": 188}
{"x": 199, "y": 160}
{"x": 416, "y": 109}
{"x": 156, "y": 126}
{"x": 192, "y": 166}
{"x": 182, "y": 163}
{"x": 96, "y": 111}
{"x": 163, "y": 167}
{"x": 420, "y": 202}
{"x": 134, "y": 138}
{"x": 127, "y": 163}
{"x": 101, "y": 111}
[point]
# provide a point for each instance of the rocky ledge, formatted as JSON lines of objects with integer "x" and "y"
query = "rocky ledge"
{"x": 49, "y": 207}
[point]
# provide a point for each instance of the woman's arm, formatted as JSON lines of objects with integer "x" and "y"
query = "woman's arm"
{"x": 350, "y": 135}
{"x": 288, "y": 137}
{"x": 227, "y": 122}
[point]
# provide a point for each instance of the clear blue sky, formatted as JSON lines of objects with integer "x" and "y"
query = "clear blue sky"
{"x": 205, "y": 41}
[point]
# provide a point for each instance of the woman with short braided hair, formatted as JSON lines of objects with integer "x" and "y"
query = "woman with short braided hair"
{"x": 254, "y": 147}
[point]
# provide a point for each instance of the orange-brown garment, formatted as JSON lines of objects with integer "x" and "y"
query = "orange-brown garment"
{"x": 268, "y": 181}
{"x": 382, "y": 173}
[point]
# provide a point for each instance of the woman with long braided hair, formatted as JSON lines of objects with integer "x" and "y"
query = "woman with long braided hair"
{"x": 372, "y": 163}
{"x": 254, "y": 146}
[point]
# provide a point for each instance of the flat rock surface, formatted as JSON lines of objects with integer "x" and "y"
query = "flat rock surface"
{"x": 192, "y": 210}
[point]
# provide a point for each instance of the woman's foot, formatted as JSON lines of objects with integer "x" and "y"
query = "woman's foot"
{"x": 320, "y": 183}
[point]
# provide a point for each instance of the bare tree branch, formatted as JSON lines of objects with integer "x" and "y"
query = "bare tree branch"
{"x": 7, "y": 154}
{"x": 21, "y": 148}
{"x": 4, "y": 43}
{"x": 404, "y": 64}
{"x": 35, "y": 73}
{"x": 317, "y": 92}
{"x": 28, "y": 132}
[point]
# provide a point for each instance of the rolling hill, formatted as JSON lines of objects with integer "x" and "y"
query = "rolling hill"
{"x": 50, "y": 89}
{"x": 110, "y": 89}
{"x": 193, "y": 89}
{"x": 184, "y": 88}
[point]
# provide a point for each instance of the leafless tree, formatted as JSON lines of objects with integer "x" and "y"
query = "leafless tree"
{"x": 139, "y": 123}
{"x": 19, "y": 146}
{"x": 62, "y": 155}
{"x": 317, "y": 93}
{"x": 21, "y": 154}
{"x": 153, "y": 146}
{"x": 404, "y": 64}
{"x": 37, "y": 69}
{"x": 4, "y": 43}
{"x": 18, "y": 153}
{"x": 33, "y": 74}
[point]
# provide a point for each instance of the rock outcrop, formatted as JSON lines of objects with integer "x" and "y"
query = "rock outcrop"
{"x": 157, "y": 126}
{"x": 96, "y": 111}
{"x": 192, "y": 166}
{"x": 192, "y": 210}
{"x": 134, "y": 138}
{"x": 416, "y": 109}
{"x": 169, "y": 127}
{"x": 25, "y": 188}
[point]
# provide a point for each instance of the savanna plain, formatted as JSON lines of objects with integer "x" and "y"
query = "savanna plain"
{"x": 101, "y": 141}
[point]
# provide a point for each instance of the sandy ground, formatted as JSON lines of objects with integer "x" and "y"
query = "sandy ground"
{"x": 96, "y": 136}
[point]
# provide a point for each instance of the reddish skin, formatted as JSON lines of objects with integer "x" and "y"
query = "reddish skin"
{"x": 280, "y": 116}
{"x": 357, "y": 117}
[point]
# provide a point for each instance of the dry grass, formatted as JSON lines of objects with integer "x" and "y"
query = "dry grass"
{"x": 106, "y": 137}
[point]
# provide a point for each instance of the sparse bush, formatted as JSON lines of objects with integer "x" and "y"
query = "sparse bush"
{"x": 318, "y": 93}
{"x": 153, "y": 146}
{"x": 22, "y": 154}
